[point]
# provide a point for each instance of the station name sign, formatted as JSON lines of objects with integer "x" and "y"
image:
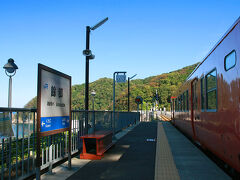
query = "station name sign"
{"x": 54, "y": 101}
{"x": 121, "y": 78}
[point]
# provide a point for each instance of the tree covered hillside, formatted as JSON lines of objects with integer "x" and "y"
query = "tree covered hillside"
{"x": 165, "y": 84}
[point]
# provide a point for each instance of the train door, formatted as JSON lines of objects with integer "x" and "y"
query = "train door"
{"x": 194, "y": 104}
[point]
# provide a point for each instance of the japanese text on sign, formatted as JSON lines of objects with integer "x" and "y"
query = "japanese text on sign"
{"x": 55, "y": 102}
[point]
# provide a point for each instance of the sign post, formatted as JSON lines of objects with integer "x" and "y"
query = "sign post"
{"x": 121, "y": 78}
{"x": 139, "y": 100}
{"x": 53, "y": 107}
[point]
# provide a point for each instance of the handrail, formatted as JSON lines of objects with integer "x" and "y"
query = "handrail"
{"x": 6, "y": 109}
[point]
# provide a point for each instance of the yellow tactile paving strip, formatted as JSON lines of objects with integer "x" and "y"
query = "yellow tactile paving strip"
{"x": 165, "y": 118}
{"x": 165, "y": 167}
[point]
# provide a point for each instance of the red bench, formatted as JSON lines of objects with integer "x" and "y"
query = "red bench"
{"x": 94, "y": 145}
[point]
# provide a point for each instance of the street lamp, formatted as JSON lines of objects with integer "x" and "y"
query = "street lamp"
{"x": 93, "y": 93}
{"x": 87, "y": 52}
{"x": 129, "y": 78}
{"x": 10, "y": 70}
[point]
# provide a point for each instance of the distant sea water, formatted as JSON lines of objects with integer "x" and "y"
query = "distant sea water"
{"x": 11, "y": 129}
{"x": 23, "y": 129}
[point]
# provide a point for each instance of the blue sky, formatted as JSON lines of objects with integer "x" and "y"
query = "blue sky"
{"x": 144, "y": 37}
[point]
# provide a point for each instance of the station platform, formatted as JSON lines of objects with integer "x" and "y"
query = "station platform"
{"x": 190, "y": 162}
{"x": 150, "y": 150}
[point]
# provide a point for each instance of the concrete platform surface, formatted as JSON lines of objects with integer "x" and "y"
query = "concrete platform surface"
{"x": 133, "y": 157}
{"x": 191, "y": 162}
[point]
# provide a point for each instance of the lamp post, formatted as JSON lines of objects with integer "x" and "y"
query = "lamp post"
{"x": 10, "y": 70}
{"x": 87, "y": 52}
{"x": 129, "y": 78}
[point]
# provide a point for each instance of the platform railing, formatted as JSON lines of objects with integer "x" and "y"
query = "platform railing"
{"x": 18, "y": 138}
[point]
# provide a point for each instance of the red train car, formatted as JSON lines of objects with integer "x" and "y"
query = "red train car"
{"x": 207, "y": 106}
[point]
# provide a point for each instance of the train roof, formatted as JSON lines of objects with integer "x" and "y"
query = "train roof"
{"x": 217, "y": 44}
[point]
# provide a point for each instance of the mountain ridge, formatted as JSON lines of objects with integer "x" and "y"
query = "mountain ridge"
{"x": 165, "y": 84}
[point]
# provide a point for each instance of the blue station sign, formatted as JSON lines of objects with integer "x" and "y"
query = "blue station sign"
{"x": 54, "y": 123}
{"x": 54, "y": 101}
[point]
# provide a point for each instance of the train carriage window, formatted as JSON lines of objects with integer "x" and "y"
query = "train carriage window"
{"x": 175, "y": 104}
{"x": 184, "y": 101}
{"x": 211, "y": 87}
{"x": 187, "y": 101}
{"x": 181, "y": 102}
{"x": 195, "y": 98}
{"x": 202, "y": 94}
{"x": 230, "y": 60}
{"x": 178, "y": 103}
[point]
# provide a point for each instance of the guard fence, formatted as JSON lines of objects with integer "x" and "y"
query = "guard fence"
{"x": 18, "y": 133}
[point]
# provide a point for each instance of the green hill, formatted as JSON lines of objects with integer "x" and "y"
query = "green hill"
{"x": 165, "y": 84}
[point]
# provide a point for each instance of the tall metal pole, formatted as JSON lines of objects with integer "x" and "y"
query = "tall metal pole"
{"x": 89, "y": 56}
{"x": 87, "y": 80}
{"x": 128, "y": 94}
{"x": 10, "y": 92}
{"x": 9, "y": 106}
{"x": 113, "y": 103}
{"x": 129, "y": 78}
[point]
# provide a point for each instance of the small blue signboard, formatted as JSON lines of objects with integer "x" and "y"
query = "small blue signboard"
{"x": 121, "y": 78}
{"x": 54, "y": 123}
